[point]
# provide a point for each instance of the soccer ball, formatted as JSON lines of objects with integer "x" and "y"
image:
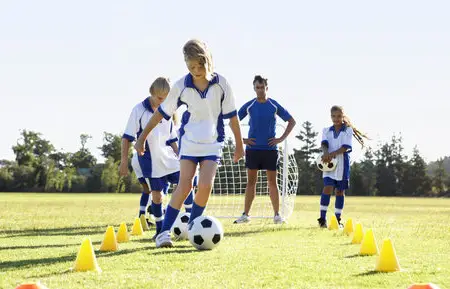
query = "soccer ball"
{"x": 326, "y": 167}
{"x": 205, "y": 232}
{"x": 180, "y": 227}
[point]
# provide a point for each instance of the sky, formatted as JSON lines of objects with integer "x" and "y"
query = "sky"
{"x": 73, "y": 67}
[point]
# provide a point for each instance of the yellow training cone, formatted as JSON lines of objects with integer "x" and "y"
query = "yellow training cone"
{"x": 348, "y": 228}
{"x": 144, "y": 223}
{"x": 358, "y": 235}
{"x": 369, "y": 244}
{"x": 387, "y": 261}
{"x": 334, "y": 225}
{"x": 122, "y": 234}
{"x": 109, "y": 240}
{"x": 86, "y": 260}
{"x": 137, "y": 228}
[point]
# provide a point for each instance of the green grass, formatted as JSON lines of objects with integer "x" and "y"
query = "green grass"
{"x": 40, "y": 235}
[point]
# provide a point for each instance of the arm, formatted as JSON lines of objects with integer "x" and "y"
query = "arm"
{"x": 236, "y": 129}
{"x": 123, "y": 168}
{"x": 154, "y": 120}
{"x": 174, "y": 147}
{"x": 287, "y": 131}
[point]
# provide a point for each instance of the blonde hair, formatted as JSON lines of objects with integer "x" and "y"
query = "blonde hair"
{"x": 359, "y": 136}
{"x": 161, "y": 85}
{"x": 197, "y": 50}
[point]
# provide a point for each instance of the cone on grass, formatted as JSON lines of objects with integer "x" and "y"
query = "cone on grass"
{"x": 109, "y": 242}
{"x": 348, "y": 228}
{"x": 358, "y": 235}
{"x": 37, "y": 285}
{"x": 334, "y": 225}
{"x": 387, "y": 261}
{"x": 144, "y": 223}
{"x": 137, "y": 228}
{"x": 86, "y": 260}
{"x": 424, "y": 286}
{"x": 122, "y": 234}
{"x": 369, "y": 244}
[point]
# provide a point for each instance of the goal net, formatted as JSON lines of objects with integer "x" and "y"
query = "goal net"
{"x": 228, "y": 195}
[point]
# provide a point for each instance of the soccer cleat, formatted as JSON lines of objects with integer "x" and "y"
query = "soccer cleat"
{"x": 341, "y": 226}
{"x": 278, "y": 220}
{"x": 322, "y": 223}
{"x": 154, "y": 237}
{"x": 163, "y": 240}
{"x": 242, "y": 219}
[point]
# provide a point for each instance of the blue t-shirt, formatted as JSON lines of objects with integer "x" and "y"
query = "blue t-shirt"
{"x": 263, "y": 121}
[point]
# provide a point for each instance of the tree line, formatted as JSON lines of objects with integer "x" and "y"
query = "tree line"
{"x": 384, "y": 171}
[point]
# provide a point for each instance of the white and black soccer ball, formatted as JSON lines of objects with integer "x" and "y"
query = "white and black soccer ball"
{"x": 180, "y": 227}
{"x": 205, "y": 233}
{"x": 326, "y": 167}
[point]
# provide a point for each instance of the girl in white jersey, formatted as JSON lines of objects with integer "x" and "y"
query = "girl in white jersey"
{"x": 209, "y": 100}
{"x": 337, "y": 143}
{"x": 159, "y": 166}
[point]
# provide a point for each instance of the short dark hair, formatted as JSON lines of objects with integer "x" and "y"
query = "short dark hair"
{"x": 260, "y": 79}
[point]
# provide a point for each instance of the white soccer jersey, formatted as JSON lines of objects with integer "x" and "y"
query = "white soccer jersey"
{"x": 159, "y": 158}
{"x": 202, "y": 128}
{"x": 336, "y": 140}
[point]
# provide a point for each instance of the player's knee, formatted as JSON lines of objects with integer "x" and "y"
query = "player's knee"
{"x": 340, "y": 193}
{"x": 157, "y": 197}
{"x": 204, "y": 186}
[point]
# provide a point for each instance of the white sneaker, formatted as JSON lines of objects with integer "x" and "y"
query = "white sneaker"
{"x": 242, "y": 219}
{"x": 278, "y": 220}
{"x": 163, "y": 240}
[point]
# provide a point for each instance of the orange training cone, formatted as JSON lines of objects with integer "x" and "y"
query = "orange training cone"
{"x": 109, "y": 240}
{"x": 387, "y": 261}
{"x": 37, "y": 285}
{"x": 334, "y": 225}
{"x": 137, "y": 228}
{"x": 86, "y": 260}
{"x": 348, "y": 228}
{"x": 369, "y": 244}
{"x": 122, "y": 234}
{"x": 358, "y": 235}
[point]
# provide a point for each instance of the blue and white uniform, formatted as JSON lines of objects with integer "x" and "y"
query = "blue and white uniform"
{"x": 202, "y": 131}
{"x": 159, "y": 165}
{"x": 262, "y": 124}
{"x": 339, "y": 178}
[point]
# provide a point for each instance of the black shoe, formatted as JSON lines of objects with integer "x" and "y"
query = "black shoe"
{"x": 322, "y": 222}
{"x": 341, "y": 226}
{"x": 154, "y": 237}
{"x": 150, "y": 223}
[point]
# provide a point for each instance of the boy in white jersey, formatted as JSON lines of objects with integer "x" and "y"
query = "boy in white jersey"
{"x": 209, "y": 100}
{"x": 337, "y": 143}
{"x": 159, "y": 166}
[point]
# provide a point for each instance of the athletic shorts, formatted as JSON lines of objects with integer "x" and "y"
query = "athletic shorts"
{"x": 261, "y": 159}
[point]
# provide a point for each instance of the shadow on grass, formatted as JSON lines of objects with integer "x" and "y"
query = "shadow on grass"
{"x": 356, "y": 256}
{"x": 369, "y": 273}
{"x": 176, "y": 251}
{"x": 65, "y": 231}
{"x": 267, "y": 229}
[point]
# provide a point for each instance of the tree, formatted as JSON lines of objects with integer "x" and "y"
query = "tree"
{"x": 83, "y": 157}
{"x": 440, "y": 177}
{"x": 111, "y": 147}
{"x": 368, "y": 173}
{"x": 110, "y": 176}
{"x": 307, "y": 172}
{"x": 356, "y": 180}
{"x": 416, "y": 181}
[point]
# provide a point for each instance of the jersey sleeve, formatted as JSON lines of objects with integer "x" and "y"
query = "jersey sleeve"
{"x": 348, "y": 137}
{"x": 170, "y": 104}
{"x": 173, "y": 137}
{"x": 243, "y": 111}
{"x": 324, "y": 137}
{"x": 282, "y": 112}
{"x": 228, "y": 104}
{"x": 132, "y": 126}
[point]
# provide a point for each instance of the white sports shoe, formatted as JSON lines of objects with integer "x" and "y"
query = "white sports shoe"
{"x": 163, "y": 240}
{"x": 278, "y": 220}
{"x": 242, "y": 219}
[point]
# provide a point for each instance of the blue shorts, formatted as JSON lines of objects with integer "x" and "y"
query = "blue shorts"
{"x": 162, "y": 184}
{"x": 198, "y": 160}
{"x": 261, "y": 160}
{"x": 339, "y": 185}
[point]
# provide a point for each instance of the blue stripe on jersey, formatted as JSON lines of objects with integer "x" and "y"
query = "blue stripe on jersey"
{"x": 230, "y": 114}
{"x": 128, "y": 137}
{"x": 184, "y": 121}
{"x": 145, "y": 161}
{"x": 172, "y": 140}
{"x": 263, "y": 121}
{"x": 165, "y": 115}
{"x": 336, "y": 133}
{"x": 189, "y": 82}
{"x": 346, "y": 174}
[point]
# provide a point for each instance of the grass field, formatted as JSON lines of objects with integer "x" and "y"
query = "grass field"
{"x": 41, "y": 233}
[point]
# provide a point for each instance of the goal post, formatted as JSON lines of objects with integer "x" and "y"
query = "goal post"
{"x": 228, "y": 194}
